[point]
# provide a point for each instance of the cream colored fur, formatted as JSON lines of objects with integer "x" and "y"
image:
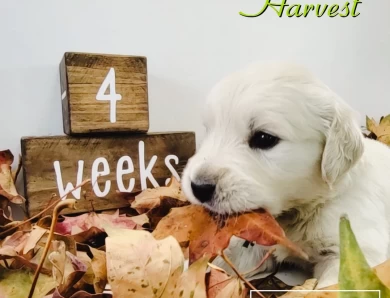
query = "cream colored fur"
{"x": 322, "y": 167}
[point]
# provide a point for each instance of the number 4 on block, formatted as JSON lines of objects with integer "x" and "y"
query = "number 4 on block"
{"x": 104, "y": 93}
{"x": 109, "y": 82}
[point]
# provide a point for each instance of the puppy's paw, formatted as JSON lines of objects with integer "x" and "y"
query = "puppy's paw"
{"x": 245, "y": 258}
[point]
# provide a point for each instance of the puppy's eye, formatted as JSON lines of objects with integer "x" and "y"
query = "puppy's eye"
{"x": 262, "y": 140}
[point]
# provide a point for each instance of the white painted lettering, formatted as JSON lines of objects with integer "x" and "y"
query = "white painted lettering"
{"x": 120, "y": 171}
{"x": 171, "y": 168}
{"x": 69, "y": 186}
{"x": 95, "y": 174}
{"x": 146, "y": 172}
{"x": 112, "y": 97}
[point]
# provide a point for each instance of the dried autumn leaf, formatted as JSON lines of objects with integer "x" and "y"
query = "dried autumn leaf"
{"x": 57, "y": 257}
{"x": 13, "y": 226}
{"x": 304, "y": 289}
{"x": 35, "y": 255}
{"x": 74, "y": 271}
{"x": 191, "y": 282}
{"x": 381, "y": 130}
{"x": 194, "y": 224}
{"x": 79, "y": 294}
{"x": 141, "y": 219}
{"x": 18, "y": 262}
{"x": 385, "y": 120}
{"x": 139, "y": 265}
{"x": 76, "y": 224}
{"x": 221, "y": 285}
{"x": 370, "y": 124}
{"x": 35, "y": 235}
{"x": 17, "y": 241}
{"x": 7, "y": 186}
{"x": 152, "y": 198}
{"x": 97, "y": 262}
{"x": 93, "y": 237}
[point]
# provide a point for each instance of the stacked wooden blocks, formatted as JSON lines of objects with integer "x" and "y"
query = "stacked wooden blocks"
{"x": 106, "y": 117}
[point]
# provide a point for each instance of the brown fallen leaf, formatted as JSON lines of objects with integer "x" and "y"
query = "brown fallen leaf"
{"x": 97, "y": 262}
{"x": 32, "y": 240}
{"x": 17, "y": 241}
{"x": 79, "y": 294}
{"x": 305, "y": 289}
{"x": 7, "y": 186}
{"x": 17, "y": 262}
{"x": 194, "y": 224}
{"x": 191, "y": 283}
{"x": 75, "y": 224}
{"x": 152, "y": 198}
{"x": 57, "y": 257}
{"x": 381, "y": 130}
{"x": 12, "y": 227}
{"x": 221, "y": 285}
{"x": 140, "y": 220}
{"x": 74, "y": 271}
{"x": 34, "y": 255}
{"x": 139, "y": 265}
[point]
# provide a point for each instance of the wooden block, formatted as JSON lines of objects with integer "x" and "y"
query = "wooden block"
{"x": 126, "y": 163}
{"x": 104, "y": 93}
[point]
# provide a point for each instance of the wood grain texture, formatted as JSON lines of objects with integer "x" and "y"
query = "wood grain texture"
{"x": 41, "y": 179}
{"x": 82, "y": 74}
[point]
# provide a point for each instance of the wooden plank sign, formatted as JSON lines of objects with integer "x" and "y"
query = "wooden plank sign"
{"x": 127, "y": 163}
{"x": 104, "y": 93}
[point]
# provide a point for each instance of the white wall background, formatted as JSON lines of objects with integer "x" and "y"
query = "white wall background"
{"x": 190, "y": 44}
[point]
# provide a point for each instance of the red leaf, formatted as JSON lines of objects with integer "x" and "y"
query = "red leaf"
{"x": 77, "y": 224}
{"x": 194, "y": 224}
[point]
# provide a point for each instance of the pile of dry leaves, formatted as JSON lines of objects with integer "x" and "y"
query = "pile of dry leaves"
{"x": 160, "y": 246}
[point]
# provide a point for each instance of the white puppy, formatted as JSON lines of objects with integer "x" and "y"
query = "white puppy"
{"x": 278, "y": 138}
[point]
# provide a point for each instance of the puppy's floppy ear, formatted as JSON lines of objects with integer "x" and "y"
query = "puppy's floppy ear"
{"x": 344, "y": 145}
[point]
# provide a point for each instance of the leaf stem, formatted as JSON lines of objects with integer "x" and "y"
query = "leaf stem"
{"x": 68, "y": 203}
{"x": 44, "y": 210}
{"x": 227, "y": 260}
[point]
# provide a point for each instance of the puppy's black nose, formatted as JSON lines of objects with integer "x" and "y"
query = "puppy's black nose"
{"x": 203, "y": 192}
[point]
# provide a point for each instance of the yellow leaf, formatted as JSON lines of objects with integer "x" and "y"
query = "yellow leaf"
{"x": 385, "y": 121}
{"x": 308, "y": 285}
{"x": 192, "y": 282}
{"x": 17, "y": 284}
{"x": 139, "y": 265}
{"x": 371, "y": 124}
{"x": 384, "y": 139}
